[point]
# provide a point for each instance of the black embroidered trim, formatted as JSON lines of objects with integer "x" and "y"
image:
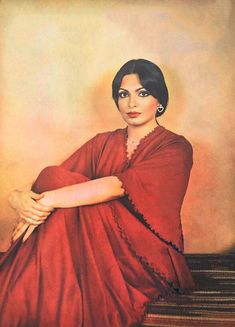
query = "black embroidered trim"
{"x": 129, "y": 159}
{"x": 159, "y": 236}
{"x": 173, "y": 289}
{"x": 142, "y": 259}
{"x": 146, "y": 223}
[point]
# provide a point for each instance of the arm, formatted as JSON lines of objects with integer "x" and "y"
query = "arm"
{"x": 30, "y": 212}
{"x": 26, "y": 206}
{"x": 90, "y": 192}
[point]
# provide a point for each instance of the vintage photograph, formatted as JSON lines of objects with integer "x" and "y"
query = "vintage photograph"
{"x": 117, "y": 163}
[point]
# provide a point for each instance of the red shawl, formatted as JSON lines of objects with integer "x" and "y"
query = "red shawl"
{"x": 155, "y": 179}
{"x": 98, "y": 265}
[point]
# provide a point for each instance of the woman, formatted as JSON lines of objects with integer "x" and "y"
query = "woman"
{"x": 103, "y": 229}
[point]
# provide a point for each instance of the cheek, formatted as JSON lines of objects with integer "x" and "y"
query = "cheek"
{"x": 151, "y": 107}
{"x": 121, "y": 106}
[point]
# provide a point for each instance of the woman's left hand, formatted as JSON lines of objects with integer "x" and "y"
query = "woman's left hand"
{"x": 22, "y": 225}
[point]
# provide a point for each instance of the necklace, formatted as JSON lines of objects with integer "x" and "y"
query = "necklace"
{"x": 131, "y": 146}
{"x": 133, "y": 142}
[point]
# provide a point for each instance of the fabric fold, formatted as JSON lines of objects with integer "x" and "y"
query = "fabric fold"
{"x": 156, "y": 187}
{"x": 98, "y": 265}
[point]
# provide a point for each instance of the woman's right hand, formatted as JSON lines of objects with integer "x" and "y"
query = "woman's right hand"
{"x": 20, "y": 229}
{"x": 26, "y": 205}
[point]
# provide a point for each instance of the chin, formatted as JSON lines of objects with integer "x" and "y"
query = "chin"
{"x": 134, "y": 123}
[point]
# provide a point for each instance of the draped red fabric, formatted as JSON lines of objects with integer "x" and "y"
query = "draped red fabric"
{"x": 98, "y": 265}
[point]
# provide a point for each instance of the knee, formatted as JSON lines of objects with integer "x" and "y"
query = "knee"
{"x": 53, "y": 177}
{"x": 50, "y": 178}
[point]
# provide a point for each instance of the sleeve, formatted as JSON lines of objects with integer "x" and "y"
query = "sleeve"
{"x": 84, "y": 159}
{"x": 156, "y": 188}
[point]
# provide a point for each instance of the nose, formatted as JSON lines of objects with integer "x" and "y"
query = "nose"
{"x": 132, "y": 101}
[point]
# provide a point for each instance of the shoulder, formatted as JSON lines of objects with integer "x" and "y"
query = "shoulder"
{"x": 113, "y": 132}
{"x": 100, "y": 140}
{"x": 104, "y": 136}
{"x": 173, "y": 138}
{"x": 176, "y": 146}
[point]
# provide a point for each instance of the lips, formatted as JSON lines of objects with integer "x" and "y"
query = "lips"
{"x": 133, "y": 114}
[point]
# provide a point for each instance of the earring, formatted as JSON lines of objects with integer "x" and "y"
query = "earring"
{"x": 160, "y": 108}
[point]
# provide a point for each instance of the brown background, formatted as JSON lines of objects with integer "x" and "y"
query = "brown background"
{"x": 57, "y": 61}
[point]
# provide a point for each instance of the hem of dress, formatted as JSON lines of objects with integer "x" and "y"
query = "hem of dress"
{"x": 146, "y": 223}
{"x": 173, "y": 287}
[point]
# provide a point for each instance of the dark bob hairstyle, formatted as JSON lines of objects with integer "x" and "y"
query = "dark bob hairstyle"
{"x": 151, "y": 77}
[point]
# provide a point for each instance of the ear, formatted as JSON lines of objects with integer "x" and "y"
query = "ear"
{"x": 160, "y": 110}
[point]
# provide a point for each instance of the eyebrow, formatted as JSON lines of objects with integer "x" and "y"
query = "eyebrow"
{"x": 140, "y": 88}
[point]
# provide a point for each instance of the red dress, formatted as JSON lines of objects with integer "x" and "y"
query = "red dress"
{"x": 98, "y": 265}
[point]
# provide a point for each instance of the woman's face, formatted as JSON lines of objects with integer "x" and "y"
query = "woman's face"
{"x": 136, "y": 105}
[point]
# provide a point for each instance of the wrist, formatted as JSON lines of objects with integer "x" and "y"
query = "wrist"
{"x": 48, "y": 199}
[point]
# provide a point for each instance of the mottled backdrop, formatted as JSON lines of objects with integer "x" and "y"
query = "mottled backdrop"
{"x": 57, "y": 62}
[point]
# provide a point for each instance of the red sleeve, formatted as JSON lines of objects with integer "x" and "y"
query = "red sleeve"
{"x": 156, "y": 187}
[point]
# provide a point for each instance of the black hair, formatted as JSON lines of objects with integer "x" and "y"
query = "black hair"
{"x": 151, "y": 77}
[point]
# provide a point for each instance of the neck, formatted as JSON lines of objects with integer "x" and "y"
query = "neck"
{"x": 138, "y": 132}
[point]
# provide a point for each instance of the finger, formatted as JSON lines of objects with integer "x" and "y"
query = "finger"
{"x": 19, "y": 220}
{"x": 40, "y": 213}
{"x": 18, "y": 228}
{"x": 41, "y": 207}
{"x": 32, "y": 220}
{"x": 36, "y": 213}
{"x": 24, "y": 215}
{"x": 19, "y": 224}
{"x": 36, "y": 196}
{"x": 28, "y": 233}
{"x": 20, "y": 232}
{"x": 29, "y": 215}
{"x": 33, "y": 214}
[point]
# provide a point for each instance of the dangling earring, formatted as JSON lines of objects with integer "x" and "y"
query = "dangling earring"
{"x": 160, "y": 108}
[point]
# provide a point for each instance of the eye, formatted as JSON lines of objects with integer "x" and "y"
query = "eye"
{"x": 123, "y": 94}
{"x": 144, "y": 93}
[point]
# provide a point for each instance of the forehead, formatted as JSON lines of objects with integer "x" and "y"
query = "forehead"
{"x": 130, "y": 81}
